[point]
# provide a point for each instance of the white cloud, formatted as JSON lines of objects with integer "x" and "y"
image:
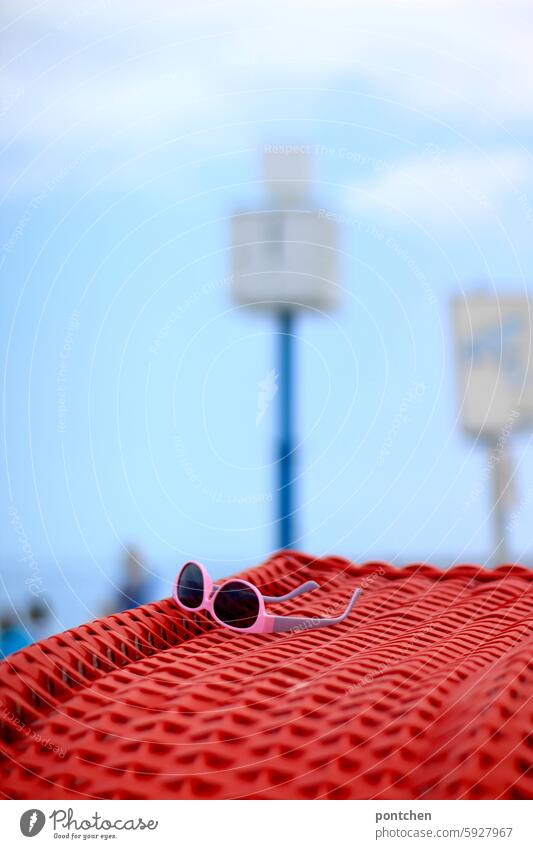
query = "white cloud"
{"x": 78, "y": 74}
{"x": 446, "y": 187}
{"x": 438, "y": 55}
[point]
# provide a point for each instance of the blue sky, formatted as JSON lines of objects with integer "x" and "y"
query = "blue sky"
{"x": 130, "y": 132}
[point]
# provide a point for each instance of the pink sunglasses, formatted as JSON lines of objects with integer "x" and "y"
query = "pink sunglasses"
{"x": 238, "y": 605}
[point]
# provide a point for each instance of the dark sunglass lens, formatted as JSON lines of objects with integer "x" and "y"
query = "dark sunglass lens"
{"x": 191, "y": 586}
{"x": 236, "y": 605}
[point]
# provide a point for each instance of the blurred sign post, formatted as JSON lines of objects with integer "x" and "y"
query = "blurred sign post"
{"x": 493, "y": 337}
{"x": 285, "y": 261}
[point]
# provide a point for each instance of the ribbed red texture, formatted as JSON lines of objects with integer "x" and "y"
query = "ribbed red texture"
{"x": 424, "y": 692}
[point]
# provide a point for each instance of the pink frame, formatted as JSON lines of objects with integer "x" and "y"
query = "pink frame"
{"x": 266, "y": 623}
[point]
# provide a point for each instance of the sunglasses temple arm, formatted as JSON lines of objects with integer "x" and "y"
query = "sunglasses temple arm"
{"x": 300, "y": 623}
{"x": 303, "y": 588}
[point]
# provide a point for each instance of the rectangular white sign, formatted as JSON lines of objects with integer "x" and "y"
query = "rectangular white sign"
{"x": 494, "y": 353}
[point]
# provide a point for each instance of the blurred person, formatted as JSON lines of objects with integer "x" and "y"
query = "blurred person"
{"x": 13, "y": 636}
{"x": 135, "y": 586}
{"x": 39, "y": 624}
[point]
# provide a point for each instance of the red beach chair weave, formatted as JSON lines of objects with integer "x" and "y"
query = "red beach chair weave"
{"x": 423, "y": 692}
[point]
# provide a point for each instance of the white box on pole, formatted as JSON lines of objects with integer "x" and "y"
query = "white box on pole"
{"x": 285, "y": 258}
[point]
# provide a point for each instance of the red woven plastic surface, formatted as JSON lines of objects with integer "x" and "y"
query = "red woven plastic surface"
{"x": 423, "y": 692}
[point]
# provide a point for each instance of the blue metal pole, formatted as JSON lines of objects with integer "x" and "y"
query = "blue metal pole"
{"x": 286, "y": 449}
